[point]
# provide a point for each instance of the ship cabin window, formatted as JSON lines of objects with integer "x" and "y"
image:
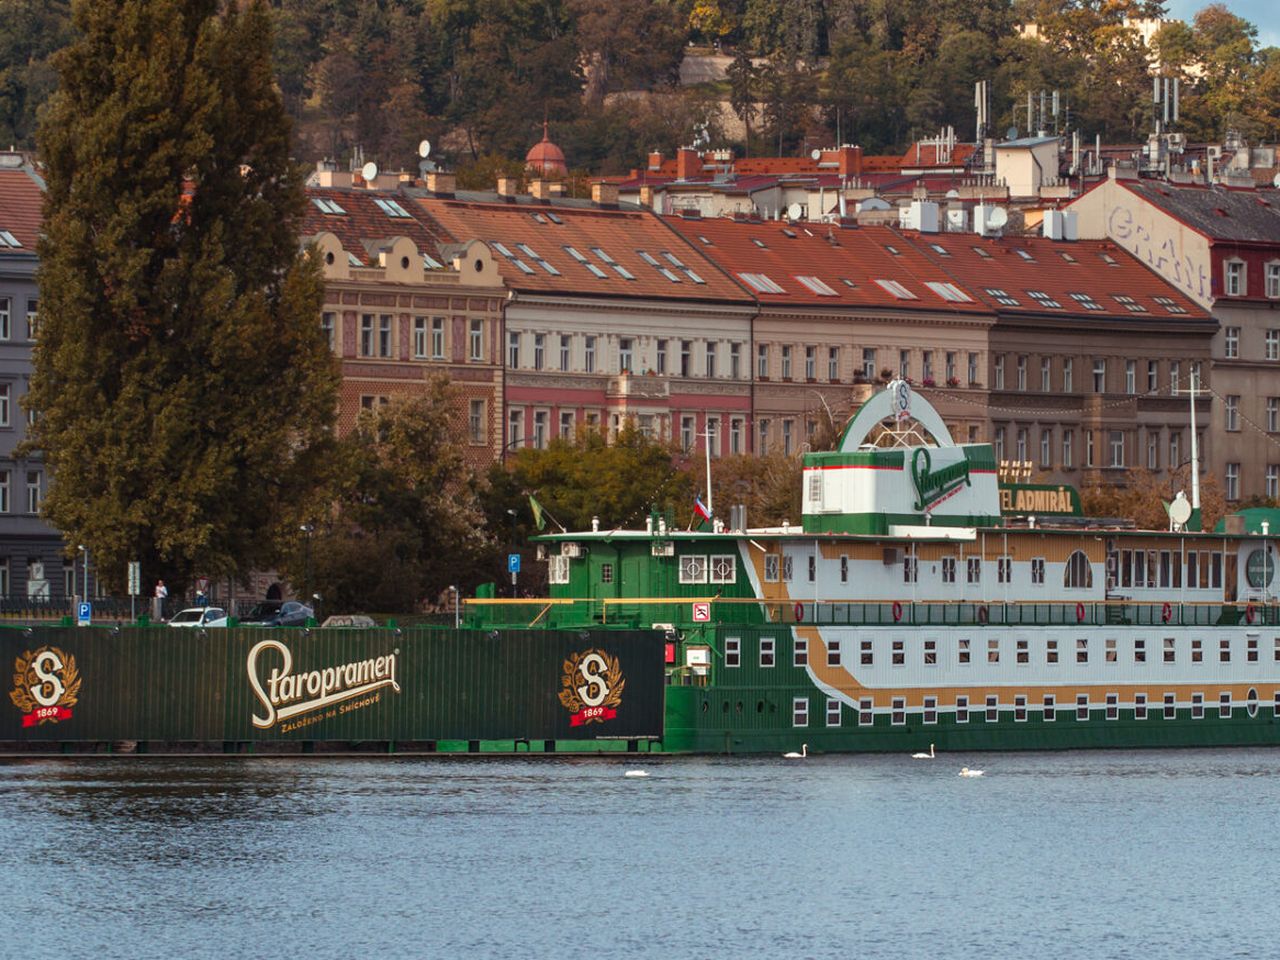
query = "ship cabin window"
{"x": 766, "y": 651}
{"x": 771, "y": 565}
{"x": 800, "y": 712}
{"x": 1082, "y": 706}
{"x": 1082, "y": 651}
{"x": 909, "y": 569}
{"x": 1113, "y": 706}
{"x": 931, "y": 653}
{"x": 732, "y": 652}
{"x": 844, "y": 569}
{"x": 1197, "y": 706}
{"x": 1192, "y": 576}
{"x": 1169, "y": 652}
{"x": 813, "y": 568}
{"x": 866, "y": 655}
{"x": 1170, "y": 707}
{"x": 1051, "y": 651}
{"x": 723, "y": 568}
{"x": 1020, "y": 708}
{"x": 1004, "y": 569}
{"x": 993, "y": 708}
{"x": 948, "y": 569}
{"x": 1276, "y": 654}
{"x": 1224, "y": 651}
{"x": 962, "y": 708}
{"x": 1023, "y": 653}
{"x": 1275, "y": 710}
{"x": 1050, "y": 708}
{"x": 693, "y": 569}
{"x": 606, "y": 573}
{"x": 930, "y": 709}
{"x": 1139, "y": 651}
{"x": 1224, "y": 705}
{"x": 1037, "y": 571}
{"x": 787, "y": 570}
{"x": 833, "y": 712}
{"x": 866, "y": 715}
{"x": 1078, "y": 574}
{"x": 993, "y": 651}
{"x": 1251, "y": 649}
{"x": 557, "y": 569}
{"x": 1139, "y": 706}
{"x": 1111, "y": 653}
{"x": 898, "y": 716}
{"x": 975, "y": 569}
{"x": 833, "y": 653}
{"x": 899, "y": 653}
{"x": 800, "y": 653}
{"x": 962, "y": 654}
{"x": 1197, "y": 651}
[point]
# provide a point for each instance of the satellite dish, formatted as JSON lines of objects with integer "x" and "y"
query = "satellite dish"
{"x": 953, "y": 194}
{"x": 369, "y": 171}
{"x": 872, "y": 203}
{"x": 1011, "y": 133}
{"x": 815, "y": 154}
{"x": 998, "y": 217}
{"x": 1180, "y": 509}
{"x": 424, "y": 149}
{"x": 795, "y": 211}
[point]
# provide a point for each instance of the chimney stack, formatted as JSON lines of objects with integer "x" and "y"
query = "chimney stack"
{"x": 540, "y": 189}
{"x": 655, "y": 161}
{"x": 443, "y": 183}
{"x": 688, "y": 163}
{"x": 604, "y": 194}
{"x": 508, "y": 187}
{"x": 646, "y": 197}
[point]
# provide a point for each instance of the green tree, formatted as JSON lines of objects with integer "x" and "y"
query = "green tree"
{"x": 30, "y": 30}
{"x": 183, "y": 389}
{"x": 742, "y": 96}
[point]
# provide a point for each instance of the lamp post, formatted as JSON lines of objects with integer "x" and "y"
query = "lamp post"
{"x": 307, "y": 529}
{"x": 85, "y": 550}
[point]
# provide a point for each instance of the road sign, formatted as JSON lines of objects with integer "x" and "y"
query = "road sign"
{"x": 84, "y": 613}
{"x": 702, "y": 613}
{"x": 513, "y": 562}
{"x": 135, "y": 578}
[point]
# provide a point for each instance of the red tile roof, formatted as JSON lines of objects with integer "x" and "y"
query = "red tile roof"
{"x": 363, "y": 224}
{"x": 21, "y": 202}
{"x": 534, "y": 234}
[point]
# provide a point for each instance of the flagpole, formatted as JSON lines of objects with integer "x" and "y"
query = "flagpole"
{"x": 706, "y": 446}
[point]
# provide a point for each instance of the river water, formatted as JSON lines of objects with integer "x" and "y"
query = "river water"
{"x": 1105, "y": 854}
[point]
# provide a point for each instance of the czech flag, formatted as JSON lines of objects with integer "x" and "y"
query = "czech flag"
{"x": 700, "y": 508}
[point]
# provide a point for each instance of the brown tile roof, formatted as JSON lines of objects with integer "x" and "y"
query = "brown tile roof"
{"x": 1097, "y": 270}
{"x": 627, "y": 252}
{"x": 1221, "y": 213}
{"x": 362, "y": 225}
{"x": 21, "y": 201}
{"x": 839, "y": 267}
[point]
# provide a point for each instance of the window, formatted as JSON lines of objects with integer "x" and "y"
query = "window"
{"x": 437, "y": 338}
{"x": 1042, "y": 298}
{"x": 732, "y": 652}
{"x": 1224, "y": 651}
{"x": 4, "y": 508}
{"x": 1082, "y": 650}
{"x": 766, "y": 651}
{"x": 1233, "y": 481}
{"x": 869, "y": 363}
{"x": 1020, "y": 708}
{"x": 800, "y": 712}
{"x": 899, "y": 654}
{"x": 477, "y": 340}
{"x": 975, "y": 569}
{"x": 558, "y": 569}
{"x": 1079, "y": 572}
{"x": 931, "y": 653}
{"x": 33, "y": 319}
{"x": 4, "y": 405}
{"x": 1001, "y": 297}
{"x": 813, "y": 568}
{"x": 948, "y": 569}
{"x": 1197, "y": 706}
{"x": 513, "y": 350}
{"x": 366, "y": 335}
{"x": 5, "y": 303}
{"x": 1068, "y": 437}
{"x": 866, "y": 713}
{"x": 661, "y": 358}
{"x": 589, "y": 355}
{"x": 1022, "y": 653}
{"x": 723, "y": 568}
{"x": 833, "y": 653}
{"x": 1099, "y": 376}
{"x": 999, "y": 443}
{"x": 686, "y": 358}
{"x": 566, "y": 424}
{"x": 762, "y": 361}
{"x": 833, "y": 364}
{"x": 1037, "y": 570}
{"x": 1153, "y": 449}
{"x": 800, "y": 652}
{"x": 693, "y": 569}
{"x": 625, "y": 347}
{"x": 898, "y": 711}
{"x": 1022, "y": 373}
{"x": 33, "y": 491}
{"x": 735, "y": 361}
{"x": 1251, "y": 650}
{"x": 1046, "y": 447}
{"x": 910, "y": 569}
{"x": 833, "y": 712}
{"x": 1049, "y": 708}
{"x": 993, "y": 708}
{"x": 1082, "y": 706}
{"x": 930, "y": 710}
{"x": 962, "y": 709}
{"x": 786, "y": 362}
{"x": 735, "y": 435}
{"x": 1139, "y": 651}
{"x": 1139, "y": 706}
{"x": 1169, "y": 304}
{"x": 1197, "y": 651}
{"x": 973, "y": 369}
{"x": 1170, "y": 652}
{"x": 1113, "y": 706}
{"x": 1231, "y": 342}
{"x": 539, "y": 351}
{"x": 328, "y": 324}
{"x": 1273, "y": 285}
{"x": 993, "y": 651}
{"x": 1232, "y": 409}
{"x": 771, "y": 566}
{"x": 999, "y": 373}
{"x": 1130, "y": 376}
{"x": 1170, "y": 706}
{"x": 384, "y": 335}
{"x": 1233, "y": 278}
{"x": 475, "y": 422}
{"x": 710, "y": 354}
{"x": 962, "y": 651}
{"x": 1068, "y": 372}
{"x": 1116, "y": 438}
{"x": 420, "y": 338}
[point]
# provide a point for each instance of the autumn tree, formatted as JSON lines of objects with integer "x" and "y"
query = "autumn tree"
{"x": 182, "y": 388}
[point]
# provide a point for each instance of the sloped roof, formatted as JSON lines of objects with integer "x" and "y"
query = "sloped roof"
{"x": 1096, "y": 270}
{"x": 1217, "y": 212}
{"x": 363, "y": 224}
{"x": 619, "y": 252}
{"x": 21, "y": 203}
{"x": 839, "y": 267}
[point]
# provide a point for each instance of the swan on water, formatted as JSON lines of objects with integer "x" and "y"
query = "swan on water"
{"x": 804, "y": 752}
{"x": 966, "y": 772}
{"x": 924, "y": 756}
{"x": 636, "y": 773}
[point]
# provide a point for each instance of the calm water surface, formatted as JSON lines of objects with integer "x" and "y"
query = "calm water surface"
{"x": 1159, "y": 854}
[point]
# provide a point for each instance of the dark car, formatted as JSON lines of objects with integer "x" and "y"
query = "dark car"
{"x": 278, "y": 613}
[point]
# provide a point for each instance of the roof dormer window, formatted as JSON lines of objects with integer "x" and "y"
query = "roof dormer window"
{"x": 1234, "y": 280}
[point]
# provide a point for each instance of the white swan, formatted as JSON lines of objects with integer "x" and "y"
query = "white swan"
{"x": 636, "y": 773}
{"x": 966, "y": 772}
{"x": 924, "y": 756}
{"x": 804, "y": 752}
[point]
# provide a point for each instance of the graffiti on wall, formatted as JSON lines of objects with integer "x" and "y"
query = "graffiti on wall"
{"x": 1161, "y": 255}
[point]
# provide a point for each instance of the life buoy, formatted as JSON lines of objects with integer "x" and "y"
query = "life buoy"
{"x": 897, "y": 611}
{"x": 799, "y": 613}
{"x": 1166, "y": 612}
{"x": 1079, "y": 613}
{"x": 1250, "y": 613}
{"x": 983, "y": 614}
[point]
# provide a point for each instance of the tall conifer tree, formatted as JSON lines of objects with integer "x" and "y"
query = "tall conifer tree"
{"x": 183, "y": 388}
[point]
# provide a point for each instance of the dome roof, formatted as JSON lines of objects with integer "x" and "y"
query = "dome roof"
{"x": 545, "y": 158}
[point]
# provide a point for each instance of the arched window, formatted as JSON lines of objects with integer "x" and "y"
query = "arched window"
{"x": 1079, "y": 573}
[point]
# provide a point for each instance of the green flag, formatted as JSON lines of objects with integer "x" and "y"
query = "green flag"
{"x": 539, "y": 520}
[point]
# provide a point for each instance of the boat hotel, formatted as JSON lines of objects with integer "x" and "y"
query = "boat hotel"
{"x": 921, "y": 600}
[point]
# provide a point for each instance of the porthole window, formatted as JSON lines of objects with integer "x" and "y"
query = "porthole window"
{"x": 404, "y": 263}
{"x": 479, "y": 266}
{"x": 328, "y": 258}
{"x": 1251, "y": 704}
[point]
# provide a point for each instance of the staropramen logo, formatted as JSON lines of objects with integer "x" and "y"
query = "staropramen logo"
{"x": 314, "y": 695}
{"x": 934, "y": 486}
{"x": 591, "y": 687}
{"x": 46, "y": 685}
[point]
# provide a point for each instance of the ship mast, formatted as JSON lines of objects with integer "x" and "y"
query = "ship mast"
{"x": 1195, "y": 448}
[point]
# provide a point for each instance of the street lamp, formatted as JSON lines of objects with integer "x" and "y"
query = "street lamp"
{"x": 307, "y": 529}
{"x": 85, "y": 550}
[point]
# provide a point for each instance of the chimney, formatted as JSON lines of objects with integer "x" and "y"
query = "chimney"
{"x": 850, "y": 158}
{"x": 540, "y": 189}
{"x": 655, "y": 161}
{"x": 646, "y": 197}
{"x": 443, "y": 183}
{"x": 604, "y": 194}
{"x": 508, "y": 187}
{"x": 688, "y": 164}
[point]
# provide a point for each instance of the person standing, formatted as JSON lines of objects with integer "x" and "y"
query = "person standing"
{"x": 162, "y": 594}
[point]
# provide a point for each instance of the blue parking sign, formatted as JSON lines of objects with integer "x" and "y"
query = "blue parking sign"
{"x": 513, "y": 563}
{"x": 84, "y": 613}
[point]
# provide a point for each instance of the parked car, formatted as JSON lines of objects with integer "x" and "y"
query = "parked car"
{"x": 278, "y": 613}
{"x": 199, "y": 617}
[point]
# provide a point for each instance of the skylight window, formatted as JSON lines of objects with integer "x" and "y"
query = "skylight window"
{"x": 327, "y": 206}
{"x": 392, "y": 209}
{"x": 527, "y": 251}
{"x": 788, "y": 233}
{"x": 503, "y": 250}
{"x": 605, "y": 257}
{"x": 595, "y": 270}
{"x": 759, "y": 243}
{"x": 1130, "y": 304}
{"x": 948, "y": 291}
{"x": 668, "y": 274}
{"x": 622, "y": 271}
{"x": 1168, "y": 304}
{"x": 897, "y": 289}
{"x": 1108, "y": 259}
{"x": 553, "y": 218}
{"x": 431, "y": 263}
{"x": 573, "y": 252}
{"x": 353, "y": 260}
{"x": 647, "y": 258}
{"x": 815, "y": 285}
{"x": 1024, "y": 255}
{"x": 9, "y": 240}
{"x": 693, "y": 276}
{"x": 1086, "y": 301}
{"x": 538, "y": 218}
{"x": 760, "y": 283}
{"x": 847, "y": 282}
{"x": 892, "y": 249}
{"x": 1001, "y": 297}
{"x": 705, "y": 241}
{"x": 984, "y": 254}
{"x": 940, "y": 250}
{"x": 1067, "y": 257}
{"x": 672, "y": 259}
{"x": 1042, "y": 298}
{"x": 524, "y": 267}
